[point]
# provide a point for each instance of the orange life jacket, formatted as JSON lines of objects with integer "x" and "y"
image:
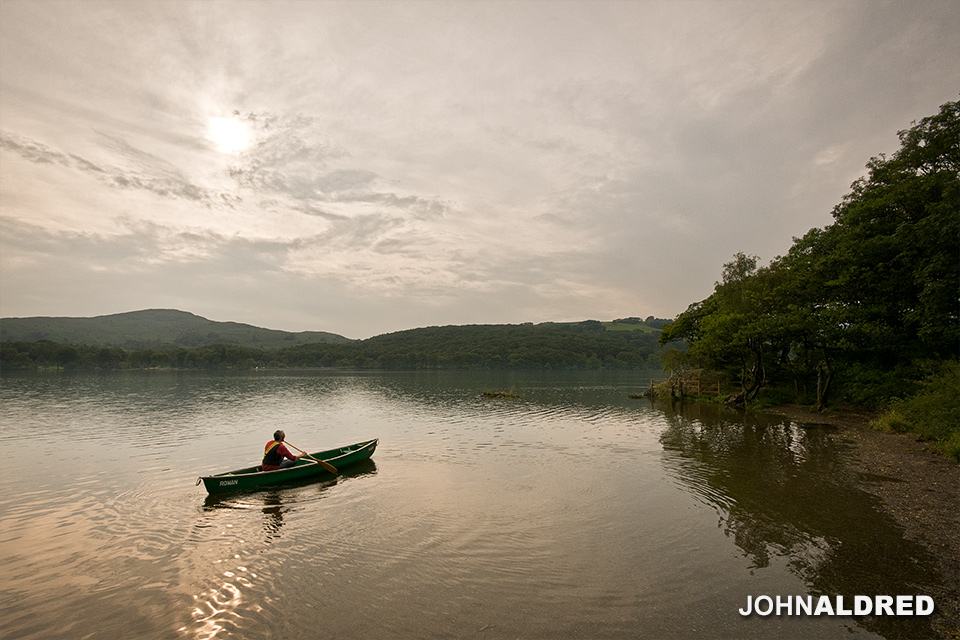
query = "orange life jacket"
{"x": 270, "y": 455}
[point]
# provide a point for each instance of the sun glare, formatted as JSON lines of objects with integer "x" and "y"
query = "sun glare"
{"x": 229, "y": 134}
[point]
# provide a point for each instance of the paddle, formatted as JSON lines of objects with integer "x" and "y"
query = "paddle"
{"x": 326, "y": 465}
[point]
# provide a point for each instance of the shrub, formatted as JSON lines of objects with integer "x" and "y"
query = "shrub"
{"x": 933, "y": 413}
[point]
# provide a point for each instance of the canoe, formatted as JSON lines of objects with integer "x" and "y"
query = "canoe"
{"x": 255, "y": 477}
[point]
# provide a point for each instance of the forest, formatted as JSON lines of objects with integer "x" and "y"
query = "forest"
{"x": 864, "y": 310}
{"x": 624, "y": 344}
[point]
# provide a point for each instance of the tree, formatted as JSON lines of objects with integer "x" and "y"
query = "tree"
{"x": 877, "y": 290}
{"x": 109, "y": 357}
{"x": 731, "y": 330}
{"x": 67, "y": 355}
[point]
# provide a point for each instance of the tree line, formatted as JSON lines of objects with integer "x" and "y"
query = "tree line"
{"x": 864, "y": 309}
{"x": 585, "y": 345}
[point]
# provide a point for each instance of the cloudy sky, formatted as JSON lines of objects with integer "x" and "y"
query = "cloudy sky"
{"x": 365, "y": 167}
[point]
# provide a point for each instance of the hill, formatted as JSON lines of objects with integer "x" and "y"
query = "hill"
{"x": 588, "y": 344}
{"x": 154, "y": 329}
{"x": 109, "y": 342}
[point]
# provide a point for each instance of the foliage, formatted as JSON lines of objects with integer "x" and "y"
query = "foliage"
{"x": 586, "y": 345}
{"x": 551, "y": 346}
{"x": 161, "y": 329}
{"x": 674, "y": 360}
{"x": 854, "y": 308}
{"x": 933, "y": 413}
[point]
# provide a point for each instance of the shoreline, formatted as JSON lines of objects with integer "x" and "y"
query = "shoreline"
{"x": 917, "y": 486}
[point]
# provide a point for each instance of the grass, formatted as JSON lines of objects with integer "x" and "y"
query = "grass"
{"x": 623, "y": 326}
{"x": 933, "y": 414}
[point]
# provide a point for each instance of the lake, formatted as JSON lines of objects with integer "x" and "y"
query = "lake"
{"x": 570, "y": 511}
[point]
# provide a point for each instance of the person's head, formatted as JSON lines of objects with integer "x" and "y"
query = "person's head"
{"x": 279, "y": 435}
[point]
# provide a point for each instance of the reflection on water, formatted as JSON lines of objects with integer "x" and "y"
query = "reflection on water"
{"x": 277, "y": 500}
{"x": 780, "y": 490}
{"x": 225, "y": 607}
{"x": 569, "y": 511}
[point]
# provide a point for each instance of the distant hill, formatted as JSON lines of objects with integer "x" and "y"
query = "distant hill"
{"x": 155, "y": 329}
{"x": 622, "y": 344}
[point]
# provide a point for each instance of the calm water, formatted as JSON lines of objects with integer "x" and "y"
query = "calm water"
{"x": 570, "y": 512}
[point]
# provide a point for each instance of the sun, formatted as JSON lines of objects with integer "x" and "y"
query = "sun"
{"x": 229, "y": 134}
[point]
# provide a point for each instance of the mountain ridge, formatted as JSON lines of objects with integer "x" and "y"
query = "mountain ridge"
{"x": 154, "y": 329}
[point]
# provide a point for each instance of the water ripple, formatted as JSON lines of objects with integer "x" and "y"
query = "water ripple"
{"x": 568, "y": 512}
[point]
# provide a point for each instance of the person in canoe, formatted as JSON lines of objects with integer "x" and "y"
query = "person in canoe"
{"x": 276, "y": 455}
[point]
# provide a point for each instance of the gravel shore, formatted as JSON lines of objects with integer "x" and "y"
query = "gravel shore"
{"x": 919, "y": 488}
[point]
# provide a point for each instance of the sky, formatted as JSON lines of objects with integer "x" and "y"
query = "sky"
{"x": 366, "y": 167}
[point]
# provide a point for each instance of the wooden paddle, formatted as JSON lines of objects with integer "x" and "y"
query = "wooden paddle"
{"x": 326, "y": 465}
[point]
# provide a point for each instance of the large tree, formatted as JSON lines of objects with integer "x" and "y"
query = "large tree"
{"x": 879, "y": 287}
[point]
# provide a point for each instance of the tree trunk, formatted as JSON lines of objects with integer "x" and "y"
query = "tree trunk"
{"x": 824, "y": 375}
{"x": 758, "y": 375}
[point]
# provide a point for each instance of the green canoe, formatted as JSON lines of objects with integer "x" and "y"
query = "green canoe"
{"x": 254, "y": 477}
